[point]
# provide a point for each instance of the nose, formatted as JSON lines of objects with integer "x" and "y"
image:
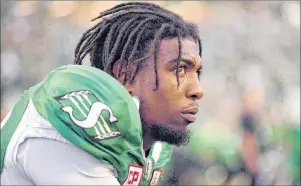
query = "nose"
{"x": 195, "y": 91}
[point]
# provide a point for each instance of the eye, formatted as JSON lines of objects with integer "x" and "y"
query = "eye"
{"x": 181, "y": 70}
{"x": 199, "y": 72}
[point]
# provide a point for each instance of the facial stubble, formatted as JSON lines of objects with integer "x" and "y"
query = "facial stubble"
{"x": 161, "y": 132}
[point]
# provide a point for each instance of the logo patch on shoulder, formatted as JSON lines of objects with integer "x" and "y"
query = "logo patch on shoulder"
{"x": 134, "y": 177}
{"x": 86, "y": 111}
{"x": 156, "y": 176}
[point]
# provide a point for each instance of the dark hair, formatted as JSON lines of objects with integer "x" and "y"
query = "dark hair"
{"x": 126, "y": 34}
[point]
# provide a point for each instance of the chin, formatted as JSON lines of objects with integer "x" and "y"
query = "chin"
{"x": 178, "y": 136}
{"x": 180, "y": 127}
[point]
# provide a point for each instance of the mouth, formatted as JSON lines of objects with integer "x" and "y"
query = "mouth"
{"x": 189, "y": 114}
{"x": 189, "y": 117}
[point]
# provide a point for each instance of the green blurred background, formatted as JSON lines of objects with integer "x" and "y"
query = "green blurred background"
{"x": 248, "y": 129}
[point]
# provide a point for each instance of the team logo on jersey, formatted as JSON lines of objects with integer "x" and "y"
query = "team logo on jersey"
{"x": 134, "y": 177}
{"x": 86, "y": 111}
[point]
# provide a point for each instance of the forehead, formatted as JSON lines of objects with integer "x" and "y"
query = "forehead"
{"x": 169, "y": 48}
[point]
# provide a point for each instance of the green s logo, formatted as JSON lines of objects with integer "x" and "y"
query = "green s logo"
{"x": 91, "y": 114}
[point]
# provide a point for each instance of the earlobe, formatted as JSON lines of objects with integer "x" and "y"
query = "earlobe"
{"x": 116, "y": 68}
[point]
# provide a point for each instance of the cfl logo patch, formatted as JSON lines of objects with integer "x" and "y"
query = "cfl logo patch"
{"x": 134, "y": 177}
{"x": 156, "y": 176}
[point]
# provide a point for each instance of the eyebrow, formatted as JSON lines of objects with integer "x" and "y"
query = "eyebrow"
{"x": 187, "y": 61}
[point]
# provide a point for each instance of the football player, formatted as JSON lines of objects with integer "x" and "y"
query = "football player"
{"x": 114, "y": 122}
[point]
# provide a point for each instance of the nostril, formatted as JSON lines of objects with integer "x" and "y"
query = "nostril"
{"x": 194, "y": 96}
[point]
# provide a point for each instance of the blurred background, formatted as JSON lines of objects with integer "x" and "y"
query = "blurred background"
{"x": 248, "y": 129}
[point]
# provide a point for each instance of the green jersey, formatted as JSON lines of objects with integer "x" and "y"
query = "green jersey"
{"x": 94, "y": 112}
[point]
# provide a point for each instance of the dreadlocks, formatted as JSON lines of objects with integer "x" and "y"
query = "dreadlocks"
{"x": 125, "y": 33}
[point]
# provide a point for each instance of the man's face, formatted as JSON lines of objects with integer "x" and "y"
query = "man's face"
{"x": 166, "y": 112}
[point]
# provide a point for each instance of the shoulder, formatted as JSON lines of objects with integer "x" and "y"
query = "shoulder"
{"x": 80, "y": 82}
{"x": 76, "y": 93}
{"x": 92, "y": 110}
{"x": 63, "y": 162}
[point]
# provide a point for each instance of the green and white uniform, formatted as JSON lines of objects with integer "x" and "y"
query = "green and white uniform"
{"x": 87, "y": 108}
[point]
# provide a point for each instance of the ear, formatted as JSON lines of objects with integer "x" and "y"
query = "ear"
{"x": 116, "y": 67}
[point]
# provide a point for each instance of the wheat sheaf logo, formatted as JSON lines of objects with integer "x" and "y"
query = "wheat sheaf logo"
{"x": 86, "y": 111}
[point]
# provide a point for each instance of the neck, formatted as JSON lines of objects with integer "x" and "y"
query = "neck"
{"x": 148, "y": 141}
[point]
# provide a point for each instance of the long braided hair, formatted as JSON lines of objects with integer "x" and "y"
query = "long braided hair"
{"x": 128, "y": 32}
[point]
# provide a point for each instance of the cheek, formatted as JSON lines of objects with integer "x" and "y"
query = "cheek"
{"x": 160, "y": 104}
{"x": 170, "y": 89}
{"x": 143, "y": 83}
{"x": 170, "y": 95}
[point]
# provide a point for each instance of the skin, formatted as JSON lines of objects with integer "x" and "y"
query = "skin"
{"x": 164, "y": 105}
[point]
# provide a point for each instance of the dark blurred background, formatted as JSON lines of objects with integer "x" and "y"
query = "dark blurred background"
{"x": 248, "y": 129}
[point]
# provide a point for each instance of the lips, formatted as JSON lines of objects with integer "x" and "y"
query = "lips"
{"x": 189, "y": 117}
{"x": 189, "y": 114}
